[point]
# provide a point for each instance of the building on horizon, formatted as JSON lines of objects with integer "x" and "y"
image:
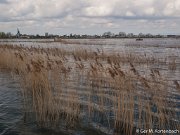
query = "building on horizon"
{"x": 46, "y": 34}
{"x": 18, "y": 33}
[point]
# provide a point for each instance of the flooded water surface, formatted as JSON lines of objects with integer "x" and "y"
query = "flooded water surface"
{"x": 16, "y": 120}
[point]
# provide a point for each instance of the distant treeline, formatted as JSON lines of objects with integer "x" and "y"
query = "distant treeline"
{"x": 4, "y": 35}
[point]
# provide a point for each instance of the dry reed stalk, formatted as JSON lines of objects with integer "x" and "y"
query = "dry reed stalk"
{"x": 172, "y": 64}
{"x": 51, "y": 83}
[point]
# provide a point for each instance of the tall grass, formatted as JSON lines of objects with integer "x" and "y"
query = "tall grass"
{"x": 71, "y": 85}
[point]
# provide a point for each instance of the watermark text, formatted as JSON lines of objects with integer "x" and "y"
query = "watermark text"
{"x": 157, "y": 131}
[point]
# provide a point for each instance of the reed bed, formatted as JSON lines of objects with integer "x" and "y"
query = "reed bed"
{"x": 67, "y": 87}
{"x": 82, "y": 42}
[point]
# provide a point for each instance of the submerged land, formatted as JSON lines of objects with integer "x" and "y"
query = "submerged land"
{"x": 116, "y": 86}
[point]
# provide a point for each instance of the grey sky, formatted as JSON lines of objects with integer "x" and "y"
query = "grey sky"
{"x": 90, "y": 16}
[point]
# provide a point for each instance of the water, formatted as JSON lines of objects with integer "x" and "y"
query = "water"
{"x": 10, "y": 103}
{"x": 13, "y": 120}
{"x": 163, "y": 47}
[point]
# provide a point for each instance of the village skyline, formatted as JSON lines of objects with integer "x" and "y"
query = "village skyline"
{"x": 107, "y": 34}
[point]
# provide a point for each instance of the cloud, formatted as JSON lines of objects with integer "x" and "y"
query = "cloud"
{"x": 3, "y": 2}
{"x": 88, "y": 14}
{"x": 138, "y": 8}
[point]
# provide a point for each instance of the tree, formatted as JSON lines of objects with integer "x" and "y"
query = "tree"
{"x": 122, "y": 34}
{"x": 2, "y": 35}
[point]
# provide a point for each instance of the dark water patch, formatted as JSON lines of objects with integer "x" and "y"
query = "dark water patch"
{"x": 15, "y": 120}
{"x": 10, "y": 103}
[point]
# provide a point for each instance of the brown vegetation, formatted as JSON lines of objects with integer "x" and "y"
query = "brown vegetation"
{"x": 71, "y": 85}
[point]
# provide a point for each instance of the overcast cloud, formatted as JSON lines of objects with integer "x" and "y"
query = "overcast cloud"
{"x": 90, "y": 16}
